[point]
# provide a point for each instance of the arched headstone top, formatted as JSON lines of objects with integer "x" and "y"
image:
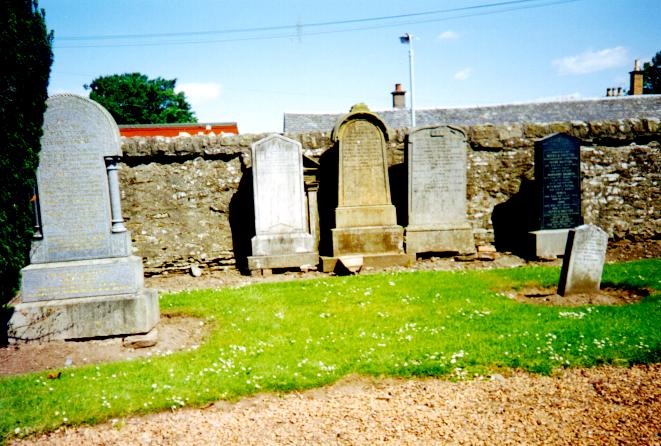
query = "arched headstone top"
{"x": 275, "y": 137}
{"x": 359, "y": 111}
{"x": 441, "y": 128}
{"x": 69, "y": 113}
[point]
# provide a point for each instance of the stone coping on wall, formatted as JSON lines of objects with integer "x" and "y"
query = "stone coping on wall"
{"x": 138, "y": 150}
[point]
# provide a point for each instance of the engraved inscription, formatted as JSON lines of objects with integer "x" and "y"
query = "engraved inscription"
{"x": 278, "y": 183}
{"x": 363, "y": 166}
{"x": 560, "y": 183}
{"x": 437, "y": 177}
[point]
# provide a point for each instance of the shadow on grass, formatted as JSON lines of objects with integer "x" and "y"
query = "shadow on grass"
{"x": 5, "y": 315}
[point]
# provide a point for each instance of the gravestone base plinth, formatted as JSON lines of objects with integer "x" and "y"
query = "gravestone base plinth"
{"x": 380, "y": 246}
{"x": 284, "y": 250}
{"x": 283, "y": 261}
{"x": 455, "y": 239}
{"x": 84, "y": 317}
{"x": 547, "y": 243}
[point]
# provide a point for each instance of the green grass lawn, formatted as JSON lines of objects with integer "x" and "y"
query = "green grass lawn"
{"x": 301, "y": 334}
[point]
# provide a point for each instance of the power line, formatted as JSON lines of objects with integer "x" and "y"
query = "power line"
{"x": 299, "y": 27}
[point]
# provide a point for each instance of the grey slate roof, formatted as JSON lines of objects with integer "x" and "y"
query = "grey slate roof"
{"x": 621, "y": 107}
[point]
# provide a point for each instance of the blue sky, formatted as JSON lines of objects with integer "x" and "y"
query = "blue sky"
{"x": 233, "y": 69}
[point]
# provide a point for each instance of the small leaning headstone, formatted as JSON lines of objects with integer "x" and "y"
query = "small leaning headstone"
{"x": 583, "y": 262}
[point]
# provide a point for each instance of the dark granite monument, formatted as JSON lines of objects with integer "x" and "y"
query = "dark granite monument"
{"x": 558, "y": 184}
{"x": 83, "y": 280}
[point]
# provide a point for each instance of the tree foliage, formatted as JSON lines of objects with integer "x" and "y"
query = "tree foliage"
{"x": 133, "y": 98}
{"x": 652, "y": 75}
{"x": 25, "y": 61}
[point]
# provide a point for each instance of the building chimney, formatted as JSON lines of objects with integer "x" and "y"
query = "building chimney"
{"x": 636, "y": 79}
{"x": 608, "y": 92}
{"x": 398, "y": 97}
{"x": 619, "y": 91}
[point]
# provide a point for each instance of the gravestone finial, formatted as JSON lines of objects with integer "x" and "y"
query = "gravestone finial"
{"x": 360, "y": 107}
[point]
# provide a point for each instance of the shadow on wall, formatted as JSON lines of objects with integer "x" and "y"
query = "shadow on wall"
{"x": 5, "y": 315}
{"x": 327, "y": 198}
{"x": 514, "y": 218}
{"x": 398, "y": 178}
{"x": 242, "y": 219}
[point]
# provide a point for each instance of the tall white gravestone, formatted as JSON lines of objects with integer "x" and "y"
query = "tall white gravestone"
{"x": 583, "y": 262}
{"x": 437, "y": 221}
{"x": 82, "y": 281}
{"x": 282, "y": 237}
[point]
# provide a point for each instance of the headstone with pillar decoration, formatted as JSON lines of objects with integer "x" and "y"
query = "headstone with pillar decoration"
{"x": 83, "y": 280}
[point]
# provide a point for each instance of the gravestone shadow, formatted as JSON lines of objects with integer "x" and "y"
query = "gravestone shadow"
{"x": 242, "y": 220}
{"x": 5, "y": 315}
{"x": 514, "y": 218}
{"x": 327, "y": 198}
{"x": 398, "y": 178}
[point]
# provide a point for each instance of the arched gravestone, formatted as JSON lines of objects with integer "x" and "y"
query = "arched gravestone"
{"x": 365, "y": 220}
{"x": 282, "y": 237}
{"x": 82, "y": 280}
{"x": 558, "y": 185}
{"x": 437, "y": 222}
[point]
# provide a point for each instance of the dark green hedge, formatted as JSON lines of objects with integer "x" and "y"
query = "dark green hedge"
{"x": 25, "y": 61}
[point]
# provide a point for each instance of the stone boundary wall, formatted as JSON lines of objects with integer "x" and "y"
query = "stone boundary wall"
{"x": 620, "y": 107}
{"x": 187, "y": 201}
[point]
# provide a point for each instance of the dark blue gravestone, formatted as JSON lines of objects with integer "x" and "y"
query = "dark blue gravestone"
{"x": 558, "y": 173}
{"x": 558, "y": 180}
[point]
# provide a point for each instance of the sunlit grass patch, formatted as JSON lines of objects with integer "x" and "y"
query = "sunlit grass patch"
{"x": 302, "y": 334}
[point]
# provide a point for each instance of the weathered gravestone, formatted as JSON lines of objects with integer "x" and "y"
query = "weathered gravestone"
{"x": 437, "y": 222}
{"x": 82, "y": 280}
{"x": 366, "y": 231}
{"x": 282, "y": 237}
{"x": 558, "y": 182}
{"x": 584, "y": 259}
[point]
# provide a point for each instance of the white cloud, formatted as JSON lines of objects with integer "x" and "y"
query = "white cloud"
{"x": 592, "y": 61}
{"x": 464, "y": 74}
{"x": 448, "y": 35}
{"x": 561, "y": 97}
{"x": 200, "y": 92}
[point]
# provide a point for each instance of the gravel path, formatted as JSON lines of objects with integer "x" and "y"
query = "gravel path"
{"x": 600, "y": 406}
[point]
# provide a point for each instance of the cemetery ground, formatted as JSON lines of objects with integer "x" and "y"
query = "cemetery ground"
{"x": 509, "y": 370}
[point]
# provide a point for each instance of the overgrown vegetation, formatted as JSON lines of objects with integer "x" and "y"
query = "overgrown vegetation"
{"x": 652, "y": 75}
{"x": 25, "y": 61}
{"x": 296, "y": 335}
{"x": 133, "y": 98}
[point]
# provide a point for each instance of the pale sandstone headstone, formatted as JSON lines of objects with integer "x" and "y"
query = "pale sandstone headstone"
{"x": 583, "y": 262}
{"x": 82, "y": 280}
{"x": 437, "y": 222}
{"x": 558, "y": 180}
{"x": 365, "y": 219}
{"x": 282, "y": 236}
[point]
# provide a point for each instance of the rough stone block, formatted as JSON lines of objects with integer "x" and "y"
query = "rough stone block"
{"x": 85, "y": 317}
